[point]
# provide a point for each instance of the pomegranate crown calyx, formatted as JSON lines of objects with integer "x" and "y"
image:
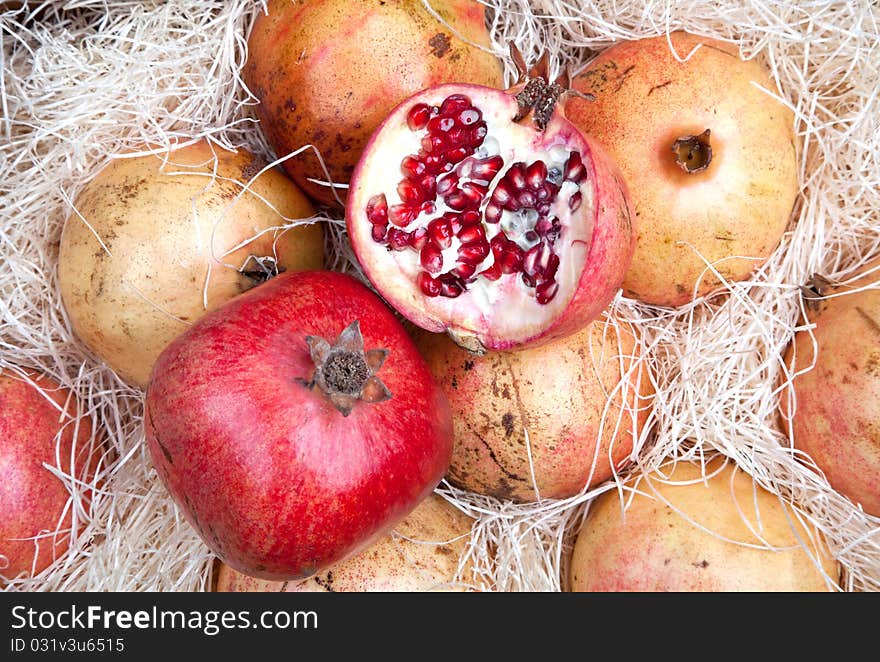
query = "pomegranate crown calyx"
{"x": 537, "y": 96}
{"x": 346, "y": 373}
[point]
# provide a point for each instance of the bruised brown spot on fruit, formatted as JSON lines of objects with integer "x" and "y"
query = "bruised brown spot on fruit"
{"x": 693, "y": 153}
{"x": 872, "y": 366}
{"x": 326, "y": 582}
{"x": 498, "y": 462}
{"x": 702, "y": 564}
{"x": 439, "y": 44}
{"x": 658, "y": 87}
{"x": 165, "y": 452}
{"x": 870, "y": 321}
{"x": 507, "y": 423}
{"x": 250, "y": 170}
{"x": 290, "y": 105}
{"x": 468, "y": 366}
{"x": 624, "y": 76}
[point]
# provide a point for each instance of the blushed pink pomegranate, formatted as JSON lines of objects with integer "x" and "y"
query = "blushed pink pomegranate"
{"x": 485, "y": 213}
{"x": 40, "y": 424}
{"x": 296, "y": 424}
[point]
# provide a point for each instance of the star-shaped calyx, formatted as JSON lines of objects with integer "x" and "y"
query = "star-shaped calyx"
{"x": 344, "y": 372}
{"x": 537, "y": 96}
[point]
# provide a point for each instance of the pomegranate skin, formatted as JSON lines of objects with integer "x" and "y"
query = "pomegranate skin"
{"x": 610, "y": 234}
{"x": 836, "y": 419}
{"x": 681, "y": 533}
{"x": 327, "y": 72}
{"x": 557, "y": 393}
{"x": 736, "y": 210}
{"x": 278, "y": 482}
{"x": 33, "y": 498}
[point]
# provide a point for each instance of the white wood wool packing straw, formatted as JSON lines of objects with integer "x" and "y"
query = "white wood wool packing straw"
{"x": 83, "y": 82}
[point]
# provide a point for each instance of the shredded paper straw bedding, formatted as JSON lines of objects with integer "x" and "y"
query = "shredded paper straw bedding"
{"x": 85, "y": 81}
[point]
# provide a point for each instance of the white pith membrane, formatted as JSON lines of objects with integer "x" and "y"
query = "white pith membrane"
{"x": 502, "y": 307}
{"x": 82, "y": 85}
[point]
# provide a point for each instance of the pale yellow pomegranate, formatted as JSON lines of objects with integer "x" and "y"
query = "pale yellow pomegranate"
{"x": 705, "y": 535}
{"x": 152, "y": 246}
{"x": 421, "y": 554}
{"x": 710, "y": 159}
{"x": 549, "y": 420}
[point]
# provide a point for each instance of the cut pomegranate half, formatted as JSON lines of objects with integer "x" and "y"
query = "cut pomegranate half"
{"x": 503, "y": 232}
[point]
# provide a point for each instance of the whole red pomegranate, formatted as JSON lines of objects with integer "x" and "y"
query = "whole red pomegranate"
{"x": 709, "y": 156}
{"x": 327, "y": 72}
{"x": 486, "y": 214}
{"x": 39, "y": 424}
{"x": 296, "y": 423}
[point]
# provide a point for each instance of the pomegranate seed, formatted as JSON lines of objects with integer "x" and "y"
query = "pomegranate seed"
{"x": 410, "y": 193}
{"x": 526, "y": 200}
{"x": 418, "y": 116}
{"x": 464, "y": 270}
{"x": 457, "y": 201}
{"x": 469, "y": 116}
{"x": 516, "y": 176}
{"x": 574, "y": 202}
{"x": 447, "y": 184}
{"x": 574, "y": 168}
{"x": 432, "y": 259}
{"x": 418, "y": 238}
{"x": 543, "y": 208}
{"x": 436, "y": 164}
{"x": 492, "y": 213}
{"x": 492, "y": 273}
{"x": 552, "y": 267}
{"x": 531, "y": 235}
{"x": 545, "y": 292}
{"x": 537, "y": 259}
{"x": 536, "y": 174}
{"x": 474, "y": 252}
{"x": 502, "y": 193}
{"x": 379, "y": 232}
{"x": 465, "y": 168}
{"x": 443, "y": 124}
{"x": 411, "y": 167}
{"x": 511, "y": 205}
{"x": 470, "y": 217}
{"x": 398, "y": 239}
{"x": 477, "y": 134}
{"x": 450, "y": 286}
{"x": 530, "y": 260}
{"x": 459, "y": 137}
{"x": 511, "y": 258}
{"x": 454, "y": 103}
{"x": 470, "y": 233}
{"x": 440, "y": 232}
{"x": 402, "y": 215}
{"x": 458, "y": 154}
{"x": 475, "y": 192}
{"x": 529, "y": 281}
{"x": 433, "y": 143}
{"x": 377, "y": 210}
{"x": 429, "y": 286}
{"x": 543, "y": 226}
{"x": 498, "y": 244}
{"x": 487, "y": 168}
{"x": 555, "y": 229}
{"x": 428, "y": 185}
